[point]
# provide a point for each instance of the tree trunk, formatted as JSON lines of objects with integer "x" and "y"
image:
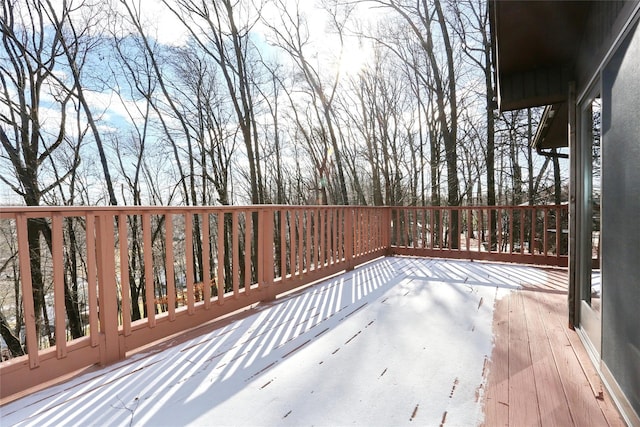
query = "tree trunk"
{"x": 13, "y": 342}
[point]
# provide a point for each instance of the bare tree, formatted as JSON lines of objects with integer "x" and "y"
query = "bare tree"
{"x": 76, "y": 43}
{"x": 472, "y": 27}
{"x": 217, "y": 29}
{"x": 291, "y": 35}
{"x": 29, "y": 73}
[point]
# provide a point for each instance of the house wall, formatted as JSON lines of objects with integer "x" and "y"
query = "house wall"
{"x": 609, "y": 58}
{"x": 606, "y": 20}
{"x": 620, "y": 224}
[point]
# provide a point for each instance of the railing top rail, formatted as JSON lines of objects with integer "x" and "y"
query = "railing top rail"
{"x": 54, "y": 208}
{"x": 8, "y": 212}
{"x": 40, "y": 211}
{"x": 493, "y": 207}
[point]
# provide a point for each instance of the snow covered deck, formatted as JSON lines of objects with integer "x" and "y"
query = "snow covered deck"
{"x": 397, "y": 341}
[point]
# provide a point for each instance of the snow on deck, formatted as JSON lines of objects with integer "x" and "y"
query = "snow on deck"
{"x": 397, "y": 341}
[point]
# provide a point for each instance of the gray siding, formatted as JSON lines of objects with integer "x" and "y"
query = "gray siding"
{"x": 537, "y": 87}
{"x": 606, "y": 20}
{"x": 621, "y": 218}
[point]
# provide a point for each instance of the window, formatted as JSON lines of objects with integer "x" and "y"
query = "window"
{"x": 591, "y": 153}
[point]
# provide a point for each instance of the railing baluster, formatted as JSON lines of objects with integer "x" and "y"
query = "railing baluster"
{"x": 490, "y": 230}
{"x": 314, "y": 239}
{"x": 371, "y": 231}
{"x": 330, "y": 241}
{"x": 373, "y": 234}
{"x": 235, "y": 250}
{"x": 478, "y": 227}
{"x": 125, "y": 290}
{"x": 358, "y": 234}
{"x": 323, "y": 237}
{"x": 558, "y": 231}
{"x": 188, "y": 243}
{"x": 338, "y": 234}
{"x": 432, "y": 230}
{"x": 341, "y": 232}
{"x": 57, "y": 258}
{"x": 308, "y": 246}
{"x": 373, "y": 238}
{"x": 362, "y": 236}
{"x": 148, "y": 269}
{"x": 221, "y": 279}
{"x": 533, "y": 234}
{"x": 27, "y": 290}
{"x": 330, "y": 233}
{"x": 300, "y": 242}
{"x": 511, "y": 220}
{"x": 206, "y": 259}
{"x": 92, "y": 274}
{"x": 283, "y": 244}
{"x": 414, "y": 227}
{"x": 522, "y": 218}
{"x": 364, "y": 232}
{"x": 293, "y": 228}
{"x": 498, "y": 225}
{"x": 169, "y": 269}
{"x": 248, "y": 221}
{"x": 320, "y": 241}
{"x": 440, "y": 227}
{"x": 545, "y": 213}
{"x": 409, "y": 228}
{"x": 402, "y": 228}
{"x": 459, "y": 228}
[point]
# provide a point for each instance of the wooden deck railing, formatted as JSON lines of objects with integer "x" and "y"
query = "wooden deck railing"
{"x": 523, "y": 234}
{"x": 94, "y": 284}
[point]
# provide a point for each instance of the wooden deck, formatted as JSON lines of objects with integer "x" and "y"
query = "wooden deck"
{"x": 383, "y": 332}
{"x": 540, "y": 373}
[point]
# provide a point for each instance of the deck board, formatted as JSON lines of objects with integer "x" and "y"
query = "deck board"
{"x": 497, "y": 398}
{"x": 553, "y": 405}
{"x": 523, "y": 400}
{"x": 606, "y": 405}
{"x": 544, "y": 354}
{"x": 582, "y": 403}
{"x": 413, "y": 333}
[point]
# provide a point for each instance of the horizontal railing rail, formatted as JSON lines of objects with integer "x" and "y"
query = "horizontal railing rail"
{"x": 90, "y": 285}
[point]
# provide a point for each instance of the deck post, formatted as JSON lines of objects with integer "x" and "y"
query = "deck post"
{"x": 266, "y": 259}
{"x": 107, "y": 289}
{"x": 349, "y": 237}
{"x": 386, "y": 230}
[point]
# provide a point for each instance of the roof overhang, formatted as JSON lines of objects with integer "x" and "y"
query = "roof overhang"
{"x": 552, "y": 129}
{"x": 535, "y": 46}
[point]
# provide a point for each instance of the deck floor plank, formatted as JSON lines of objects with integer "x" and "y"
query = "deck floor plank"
{"x": 523, "y": 400}
{"x": 603, "y": 398}
{"x": 589, "y": 402}
{"x": 497, "y": 398}
{"x": 582, "y": 403}
{"x": 541, "y": 360}
{"x": 553, "y": 405}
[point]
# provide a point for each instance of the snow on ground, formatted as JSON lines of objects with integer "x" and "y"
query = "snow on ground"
{"x": 398, "y": 341}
